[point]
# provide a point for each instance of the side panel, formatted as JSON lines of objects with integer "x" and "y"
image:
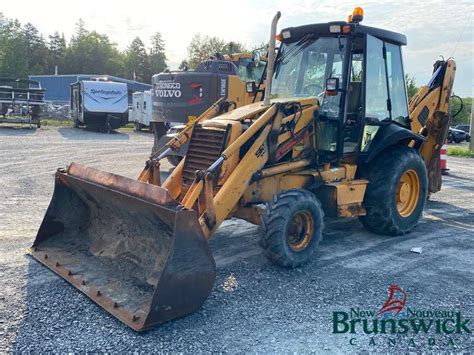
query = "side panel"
{"x": 107, "y": 97}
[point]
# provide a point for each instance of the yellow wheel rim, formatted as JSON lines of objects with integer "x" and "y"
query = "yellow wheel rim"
{"x": 408, "y": 192}
{"x": 300, "y": 231}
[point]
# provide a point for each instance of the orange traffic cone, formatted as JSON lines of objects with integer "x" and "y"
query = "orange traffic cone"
{"x": 443, "y": 159}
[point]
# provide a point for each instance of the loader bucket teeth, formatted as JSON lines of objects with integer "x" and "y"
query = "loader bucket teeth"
{"x": 127, "y": 245}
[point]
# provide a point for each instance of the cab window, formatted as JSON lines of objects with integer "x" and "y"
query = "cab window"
{"x": 376, "y": 108}
{"x": 396, "y": 84}
{"x": 248, "y": 71}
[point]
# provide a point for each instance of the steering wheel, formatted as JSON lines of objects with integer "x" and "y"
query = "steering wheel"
{"x": 312, "y": 89}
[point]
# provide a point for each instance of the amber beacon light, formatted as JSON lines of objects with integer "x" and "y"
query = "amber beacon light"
{"x": 357, "y": 15}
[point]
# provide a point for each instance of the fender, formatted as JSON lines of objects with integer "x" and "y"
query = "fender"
{"x": 388, "y": 135}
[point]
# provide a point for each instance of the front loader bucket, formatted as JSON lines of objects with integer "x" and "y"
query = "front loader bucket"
{"x": 127, "y": 245}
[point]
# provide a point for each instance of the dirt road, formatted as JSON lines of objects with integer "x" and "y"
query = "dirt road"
{"x": 268, "y": 309}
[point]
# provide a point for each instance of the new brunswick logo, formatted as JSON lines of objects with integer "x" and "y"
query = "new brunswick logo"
{"x": 395, "y": 317}
{"x": 393, "y": 304}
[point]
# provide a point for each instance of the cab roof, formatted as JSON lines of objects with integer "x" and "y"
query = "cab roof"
{"x": 296, "y": 33}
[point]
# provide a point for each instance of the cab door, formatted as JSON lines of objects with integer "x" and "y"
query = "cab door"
{"x": 354, "y": 108}
{"x": 385, "y": 91}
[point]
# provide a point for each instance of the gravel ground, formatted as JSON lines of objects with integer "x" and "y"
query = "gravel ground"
{"x": 254, "y": 306}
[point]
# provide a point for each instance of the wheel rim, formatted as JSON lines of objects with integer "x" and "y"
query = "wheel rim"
{"x": 300, "y": 231}
{"x": 408, "y": 192}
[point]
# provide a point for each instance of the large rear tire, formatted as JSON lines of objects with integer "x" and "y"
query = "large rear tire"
{"x": 396, "y": 193}
{"x": 292, "y": 228}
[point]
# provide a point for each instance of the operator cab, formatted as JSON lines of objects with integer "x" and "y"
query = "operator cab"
{"x": 355, "y": 72}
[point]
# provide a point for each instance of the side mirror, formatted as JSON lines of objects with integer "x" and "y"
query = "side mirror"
{"x": 251, "y": 87}
{"x": 256, "y": 58}
{"x": 332, "y": 86}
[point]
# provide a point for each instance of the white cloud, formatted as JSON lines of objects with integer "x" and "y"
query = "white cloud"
{"x": 433, "y": 27}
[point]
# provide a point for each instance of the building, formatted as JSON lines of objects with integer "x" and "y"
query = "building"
{"x": 58, "y": 87}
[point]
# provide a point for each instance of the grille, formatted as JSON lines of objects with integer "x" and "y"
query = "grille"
{"x": 204, "y": 149}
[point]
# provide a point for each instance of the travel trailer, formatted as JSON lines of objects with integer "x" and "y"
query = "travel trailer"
{"x": 99, "y": 104}
{"x": 142, "y": 110}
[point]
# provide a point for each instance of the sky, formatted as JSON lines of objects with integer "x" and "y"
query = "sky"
{"x": 433, "y": 27}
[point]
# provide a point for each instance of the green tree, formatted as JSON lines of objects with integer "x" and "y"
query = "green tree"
{"x": 57, "y": 51}
{"x": 36, "y": 50}
{"x": 201, "y": 48}
{"x": 411, "y": 86}
{"x": 460, "y": 115}
{"x": 157, "y": 57}
{"x": 136, "y": 61}
{"x": 81, "y": 31}
{"x": 92, "y": 53}
{"x": 13, "y": 49}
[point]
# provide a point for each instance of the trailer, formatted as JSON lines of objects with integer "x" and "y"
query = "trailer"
{"x": 99, "y": 104}
{"x": 142, "y": 110}
{"x": 21, "y": 101}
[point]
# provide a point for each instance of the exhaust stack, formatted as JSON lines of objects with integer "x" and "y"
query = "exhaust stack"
{"x": 271, "y": 59}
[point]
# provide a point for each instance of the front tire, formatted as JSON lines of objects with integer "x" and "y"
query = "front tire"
{"x": 292, "y": 228}
{"x": 396, "y": 193}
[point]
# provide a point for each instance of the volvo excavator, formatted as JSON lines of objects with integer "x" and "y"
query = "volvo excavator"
{"x": 334, "y": 136}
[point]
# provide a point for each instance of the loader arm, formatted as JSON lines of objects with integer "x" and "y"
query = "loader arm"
{"x": 429, "y": 112}
{"x": 270, "y": 141}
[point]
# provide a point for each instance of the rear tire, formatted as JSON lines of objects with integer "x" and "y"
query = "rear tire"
{"x": 396, "y": 193}
{"x": 291, "y": 228}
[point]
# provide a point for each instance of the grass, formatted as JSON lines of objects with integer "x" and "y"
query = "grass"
{"x": 461, "y": 152}
{"x": 55, "y": 123}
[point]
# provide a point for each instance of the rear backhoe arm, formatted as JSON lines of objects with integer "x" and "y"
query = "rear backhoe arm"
{"x": 429, "y": 112}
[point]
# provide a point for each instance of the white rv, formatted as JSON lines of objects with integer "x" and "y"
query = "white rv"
{"x": 99, "y": 104}
{"x": 142, "y": 109}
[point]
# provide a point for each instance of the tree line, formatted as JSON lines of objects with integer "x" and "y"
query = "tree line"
{"x": 25, "y": 51}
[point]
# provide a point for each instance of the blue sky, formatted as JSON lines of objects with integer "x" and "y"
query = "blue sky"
{"x": 433, "y": 27}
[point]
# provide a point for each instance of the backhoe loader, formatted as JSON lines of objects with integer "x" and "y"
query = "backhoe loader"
{"x": 333, "y": 136}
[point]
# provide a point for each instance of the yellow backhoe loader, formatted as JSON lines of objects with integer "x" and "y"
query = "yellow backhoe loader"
{"x": 334, "y": 136}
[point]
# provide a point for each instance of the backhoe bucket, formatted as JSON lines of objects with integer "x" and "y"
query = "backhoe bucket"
{"x": 127, "y": 245}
